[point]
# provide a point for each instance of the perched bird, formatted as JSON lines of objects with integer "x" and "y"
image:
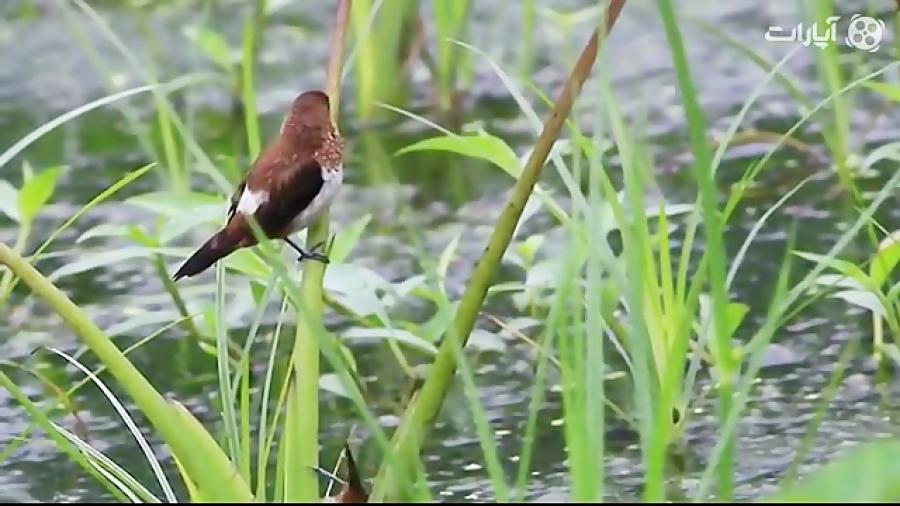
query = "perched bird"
{"x": 294, "y": 179}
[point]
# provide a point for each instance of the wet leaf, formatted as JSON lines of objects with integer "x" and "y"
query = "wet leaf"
{"x": 93, "y": 260}
{"x": 444, "y": 260}
{"x": 356, "y": 288}
{"x": 9, "y": 196}
{"x": 36, "y": 192}
{"x": 483, "y": 340}
{"x": 485, "y": 147}
{"x": 213, "y": 45}
{"x": 247, "y": 262}
{"x": 435, "y": 327}
{"x": 176, "y": 204}
{"x": 864, "y": 299}
{"x": 332, "y": 383}
{"x": 178, "y": 225}
{"x": 360, "y": 334}
{"x": 403, "y": 288}
{"x": 103, "y": 230}
{"x": 530, "y": 246}
{"x": 838, "y": 280}
{"x": 865, "y": 474}
{"x": 888, "y": 90}
{"x": 138, "y": 236}
{"x": 844, "y": 267}
{"x": 736, "y": 314}
{"x": 346, "y": 239}
{"x": 885, "y": 259}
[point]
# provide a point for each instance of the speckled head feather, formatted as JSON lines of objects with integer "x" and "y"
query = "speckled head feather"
{"x": 309, "y": 118}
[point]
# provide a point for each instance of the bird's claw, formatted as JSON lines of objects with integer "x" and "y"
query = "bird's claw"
{"x": 313, "y": 254}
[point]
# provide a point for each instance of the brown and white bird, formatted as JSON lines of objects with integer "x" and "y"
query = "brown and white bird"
{"x": 292, "y": 181}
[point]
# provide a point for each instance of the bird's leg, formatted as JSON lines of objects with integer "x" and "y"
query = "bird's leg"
{"x": 328, "y": 474}
{"x": 312, "y": 254}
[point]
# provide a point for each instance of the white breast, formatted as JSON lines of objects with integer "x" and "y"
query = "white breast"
{"x": 331, "y": 183}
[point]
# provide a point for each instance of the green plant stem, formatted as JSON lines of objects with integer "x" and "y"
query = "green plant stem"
{"x": 725, "y": 363}
{"x": 204, "y": 461}
{"x": 187, "y": 320}
{"x": 302, "y": 419}
{"x": 423, "y": 412}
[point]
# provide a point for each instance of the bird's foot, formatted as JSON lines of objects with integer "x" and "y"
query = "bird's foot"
{"x": 313, "y": 254}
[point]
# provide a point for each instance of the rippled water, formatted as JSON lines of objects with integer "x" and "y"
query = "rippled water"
{"x": 45, "y": 71}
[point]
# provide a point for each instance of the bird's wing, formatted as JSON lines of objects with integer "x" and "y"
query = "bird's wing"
{"x": 235, "y": 197}
{"x": 292, "y": 192}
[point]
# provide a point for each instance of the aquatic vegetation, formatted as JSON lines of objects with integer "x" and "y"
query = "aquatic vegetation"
{"x": 621, "y": 295}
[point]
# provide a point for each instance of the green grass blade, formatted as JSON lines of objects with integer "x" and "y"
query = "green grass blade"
{"x": 41, "y": 419}
{"x": 248, "y": 89}
{"x": 725, "y": 364}
{"x": 128, "y": 484}
{"x": 64, "y": 118}
{"x": 264, "y": 445}
{"x": 102, "y": 196}
{"x": 214, "y": 474}
{"x": 420, "y": 415}
{"x": 226, "y": 388}
{"x": 129, "y": 423}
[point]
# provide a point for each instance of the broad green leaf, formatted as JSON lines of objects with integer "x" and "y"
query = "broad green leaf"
{"x": 736, "y": 314}
{"x": 360, "y": 334}
{"x": 36, "y": 192}
{"x": 9, "y": 197}
{"x": 530, "y": 246}
{"x": 332, "y": 383}
{"x": 403, "y": 288}
{"x": 92, "y": 260}
{"x": 485, "y": 147}
{"x": 178, "y": 225}
{"x": 137, "y": 235}
{"x": 838, "y": 281}
{"x": 435, "y": 327}
{"x": 888, "y": 90}
{"x": 864, "y": 299}
{"x": 355, "y": 287}
{"x": 213, "y": 44}
{"x": 246, "y": 261}
{"x": 103, "y": 230}
{"x": 885, "y": 259}
{"x": 842, "y": 266}
{"x": 889, "y": 151}
{"x": 176, "y": 204}
{"x": 346, "y": 239}
{"x": 864, "y": 474}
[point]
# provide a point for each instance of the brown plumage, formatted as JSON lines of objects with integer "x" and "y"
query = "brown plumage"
{"x": 352, "y": 489}
{"x": 293, "y": 180}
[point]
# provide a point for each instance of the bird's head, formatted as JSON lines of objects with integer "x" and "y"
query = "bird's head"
{"x": 310, "y": 118}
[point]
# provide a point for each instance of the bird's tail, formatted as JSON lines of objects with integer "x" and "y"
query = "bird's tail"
{"x": 212, "y": 250}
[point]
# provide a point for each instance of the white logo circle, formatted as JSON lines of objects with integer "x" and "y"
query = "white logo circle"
{"x": 865, "y": 33}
